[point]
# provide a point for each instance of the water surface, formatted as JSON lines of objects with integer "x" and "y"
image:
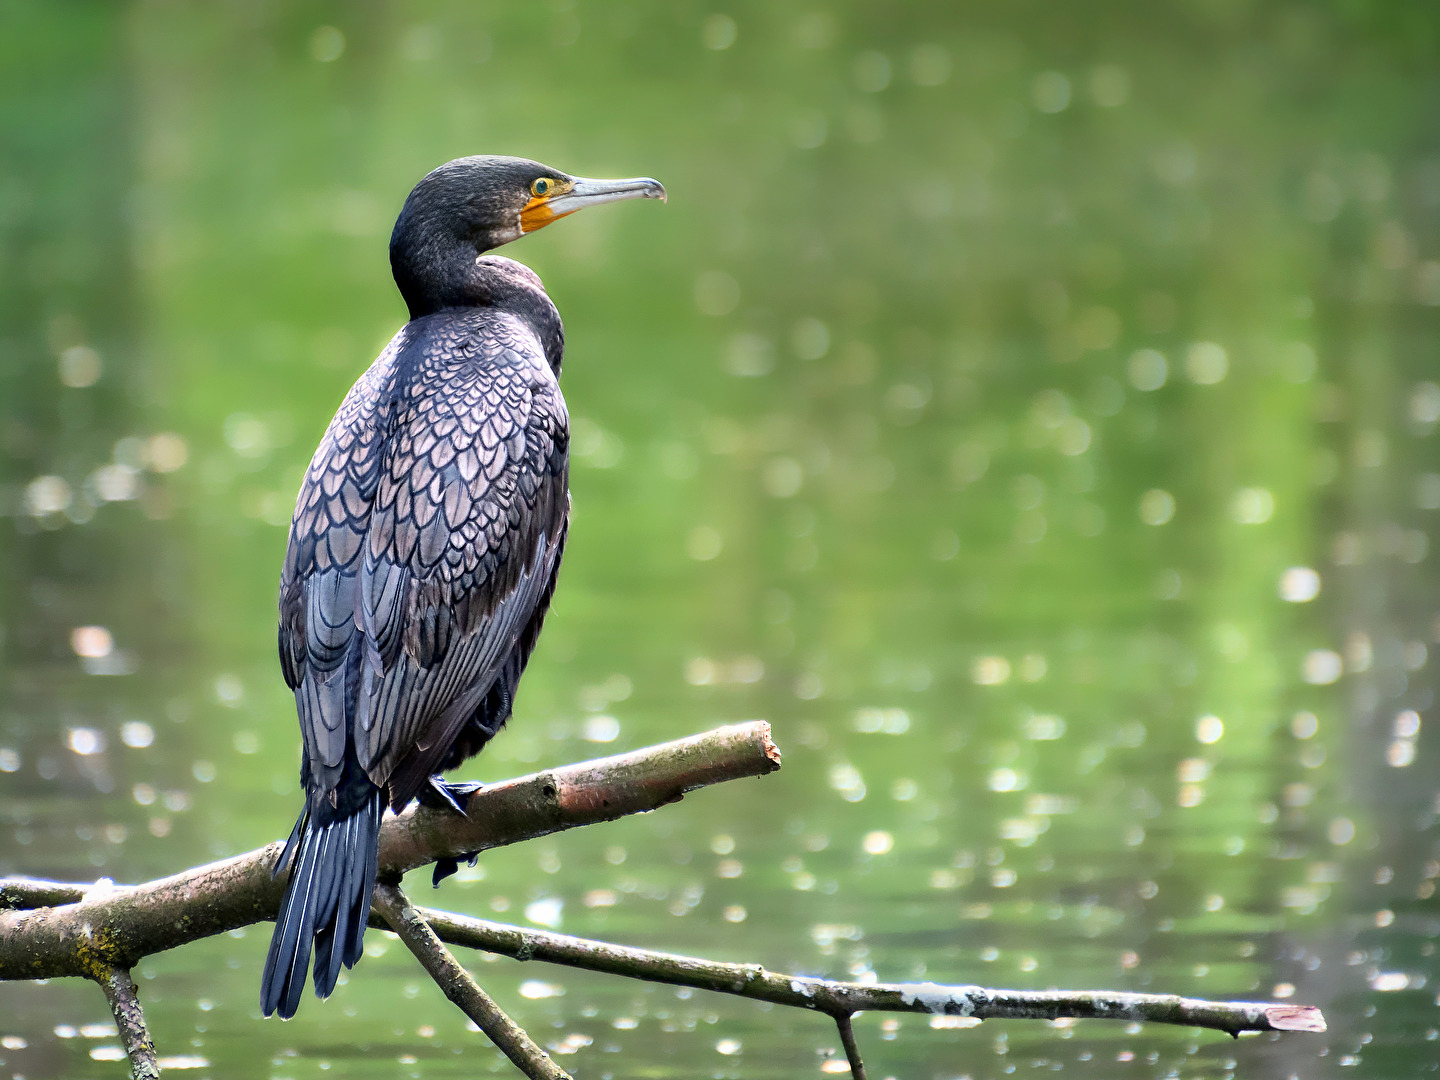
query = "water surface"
{"x": 1029, "y": 412}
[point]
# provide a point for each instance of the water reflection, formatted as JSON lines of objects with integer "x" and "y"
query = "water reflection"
{"x": 1040, "y": 437}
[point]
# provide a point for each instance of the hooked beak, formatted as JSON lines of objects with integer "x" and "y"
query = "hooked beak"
{"x": 542, "y": 210}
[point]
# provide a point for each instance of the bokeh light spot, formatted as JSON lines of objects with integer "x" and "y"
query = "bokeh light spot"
{"x": 1050, "y": 92}
{"x": 1206, "y": 363}
{"x": 327, "y": 44}
{"x": 718, "y": 32}
{"x": 1209, "y": 729}
{"x": 1157, "y": 507}
{"x": 1299, "y": 585}
{"x": 92, "y": 642}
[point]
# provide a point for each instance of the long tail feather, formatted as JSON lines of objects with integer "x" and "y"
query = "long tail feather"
{"x": 326, "y": 904}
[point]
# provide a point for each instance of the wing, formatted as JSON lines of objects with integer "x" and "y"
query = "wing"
{"x": 464, "y": 540}
{"x": 323, "y": 560}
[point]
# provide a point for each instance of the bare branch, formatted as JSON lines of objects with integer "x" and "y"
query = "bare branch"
{"x": 852, "y": 1048}
{"x": 839, "y": 998}
{"x": 33, "y": 893}
{"x": 52, "y": 929}
{"x": 583, "y": 794}
{"x": 121, "y": 924}
{"x": 463, "y": 990}
{"x": 119, "y": 990}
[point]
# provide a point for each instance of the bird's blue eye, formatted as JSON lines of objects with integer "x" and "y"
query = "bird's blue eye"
{"x": 540, "y": 187}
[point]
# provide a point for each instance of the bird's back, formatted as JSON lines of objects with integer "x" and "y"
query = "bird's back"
{"x": 425, "y": 540}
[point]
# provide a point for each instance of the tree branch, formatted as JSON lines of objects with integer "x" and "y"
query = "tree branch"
{"x": 461, "y": 988}
{"x": 50, "y": 929}
{"x": 852, "y": 1048}
{"x": 33, "y": 893}
{"x": 838, "y": 998}
{"x": 119, "y": 990}
{"x": 118, "y": 925}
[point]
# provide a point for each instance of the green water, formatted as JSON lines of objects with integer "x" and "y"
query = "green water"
{"x": 992, "y": 376}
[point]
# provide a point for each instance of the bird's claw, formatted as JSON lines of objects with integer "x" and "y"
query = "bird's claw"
{"x": 450, "y": 865}
{"x": 440, "y": 793}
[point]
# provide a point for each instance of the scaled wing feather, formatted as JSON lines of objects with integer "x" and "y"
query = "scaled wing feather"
{"x": 448, "y": 458}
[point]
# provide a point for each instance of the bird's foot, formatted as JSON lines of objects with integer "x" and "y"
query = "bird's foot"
{"x": 447, "y": 866}
{"x": 440, "y": 794}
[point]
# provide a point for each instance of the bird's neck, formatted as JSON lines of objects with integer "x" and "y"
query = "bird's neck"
{"x": 457, "y": 278}
{"x": 434, "y": 275}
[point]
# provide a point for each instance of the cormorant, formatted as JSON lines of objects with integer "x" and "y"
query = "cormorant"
{"x": 425, "y": 543}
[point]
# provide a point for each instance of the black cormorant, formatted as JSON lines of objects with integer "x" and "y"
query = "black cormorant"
{"x": 425, "y": 542}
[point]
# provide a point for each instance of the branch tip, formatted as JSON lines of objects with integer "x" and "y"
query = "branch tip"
{"x": 1295, "y": 1018}
{"x": 772, "y": 752}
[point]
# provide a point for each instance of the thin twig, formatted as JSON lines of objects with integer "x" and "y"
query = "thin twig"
{"x": 852, "y": 1048}
{"x": 123, "y": 923}
{"x": 460, "y": 988}
{"x": 119, "y": 990}
{"x": 836, "y": 997}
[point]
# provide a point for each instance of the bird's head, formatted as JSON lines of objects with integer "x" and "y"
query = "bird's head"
{"x": 474, "y": 204}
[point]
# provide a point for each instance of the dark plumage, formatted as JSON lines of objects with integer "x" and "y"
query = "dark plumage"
{"x": 425, "y": 543}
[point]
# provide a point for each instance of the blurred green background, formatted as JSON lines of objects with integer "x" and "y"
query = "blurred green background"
{"x": 1027, "y": 408}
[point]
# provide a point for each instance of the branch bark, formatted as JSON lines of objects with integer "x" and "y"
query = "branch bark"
{"x": 33, "y": 893}
{"x": 124, "y": 1002}
{"x": 118, "y": 925}
{"x": 838, "y": 998}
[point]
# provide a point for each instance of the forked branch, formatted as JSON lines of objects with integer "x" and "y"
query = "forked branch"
{"x": 50, "y": 929}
